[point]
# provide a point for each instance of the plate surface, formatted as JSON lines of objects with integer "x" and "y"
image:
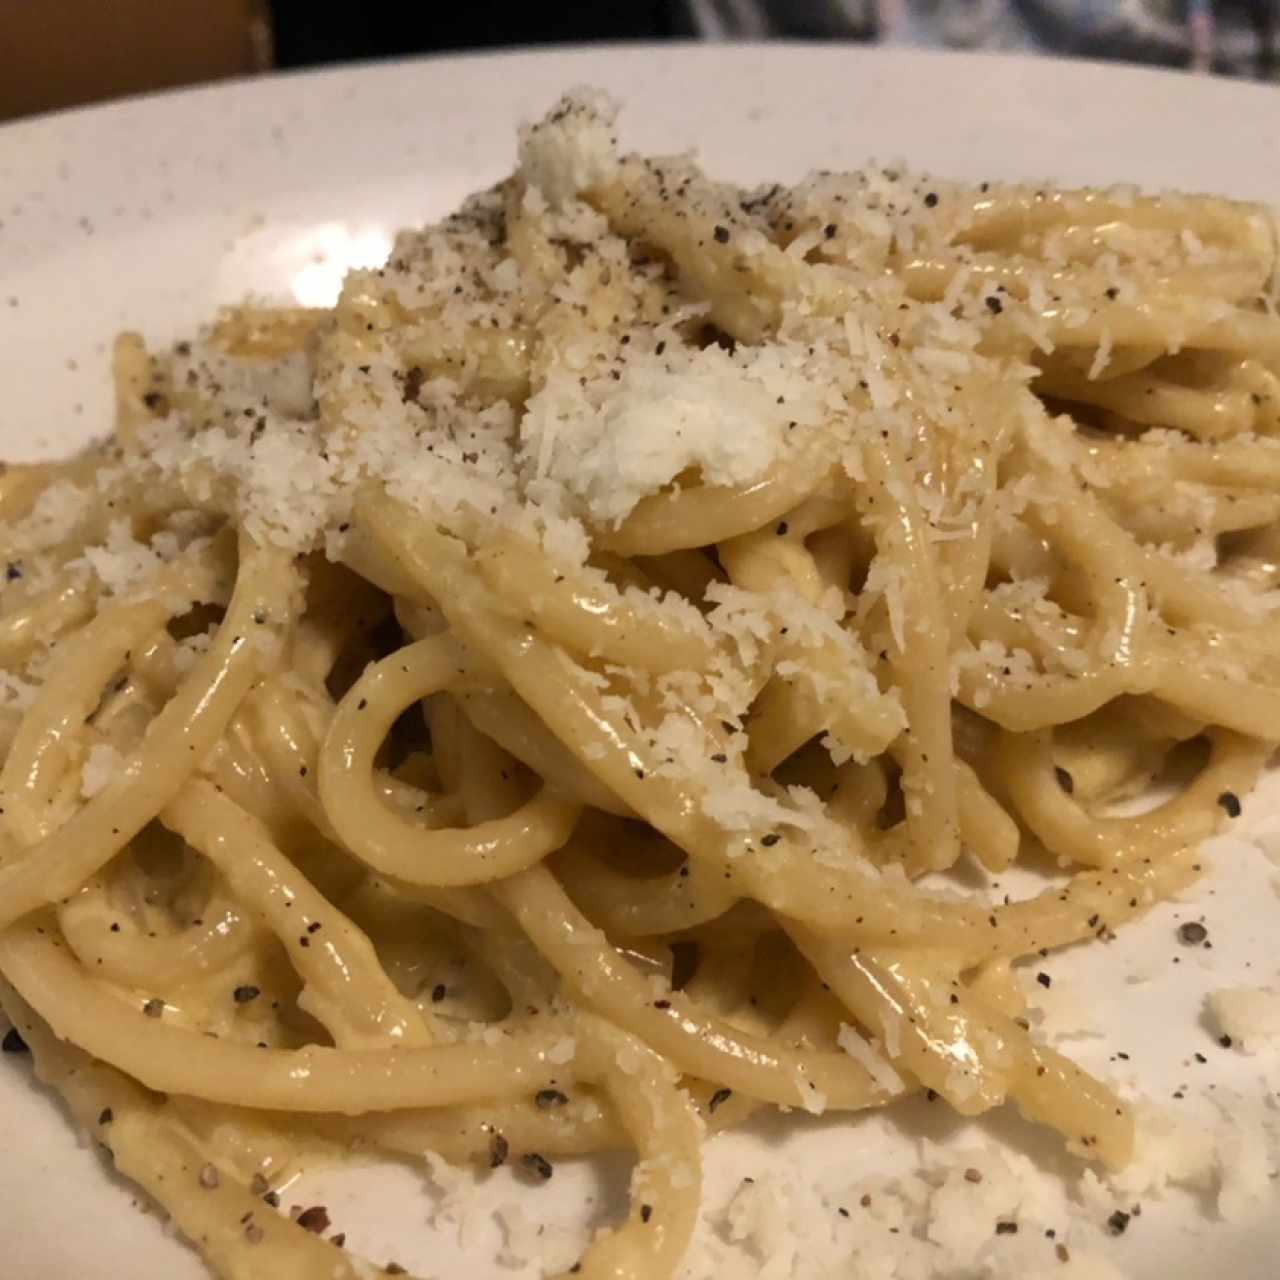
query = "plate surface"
{"x": 148, "y": 213}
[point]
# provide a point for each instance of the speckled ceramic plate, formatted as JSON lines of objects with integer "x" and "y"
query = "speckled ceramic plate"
{"x": 147, "y": 213}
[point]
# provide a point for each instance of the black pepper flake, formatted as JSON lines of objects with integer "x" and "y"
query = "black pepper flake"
{"x": 770, "y": 840}
{"x": 1065, "y": 780}
{"x": 395, "y": 1269}
{"x": 720, "y": 1096}
{"x": 313, "y": 926}
{"x": 931, "y": 200}
{"x": 243, "y": 995}
{"x": 106, "y": 1115}
{"x": 1230, "y": 803}
{"x": 303, "y": 940}
{"x": 721, "y": 234}
{"x": 781, "y": 530}
{"x": 829, "y": 231}
{"x": 994, "y": 305}
{"x": 1192, "y": 933}
{"x": 1225, "y": 1041}
{"x": 1044, "y": 980}
{"x": 1006, "y": 1228}
{"x": 315, "y": 1219}
{"x": 646, "y": 1212}
{"x": 13, "y": 1042}
{"x": 13, "y": 571}
{"x": 662, "y": 1004}
{"x": 1118, "y": 1222}
{"x": 153, "y": 1008}
{"x": 537, "y": 1165}
{"x": 272, "y": 1199}
{"x": 973, "y": 1175}
{"x": 438, "y": 993}
{"x": 499, "y": 1149}
{"x": 1112, "y": 293}
{"x": 719, "y": 758}
{"x": 548, "y": 1099}
{"x": 156, "y": 402}
{"x": 660, "y": 348}
{"x": 339, "y": 1238}
{"x": 931, "y": 1095}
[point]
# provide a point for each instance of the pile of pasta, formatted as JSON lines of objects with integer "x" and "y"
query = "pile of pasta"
{"x": 555, "y": 700}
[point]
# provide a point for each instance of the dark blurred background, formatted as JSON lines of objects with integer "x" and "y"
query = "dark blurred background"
{"x": 56, "y": 53}
{"x": 379, "y": 30}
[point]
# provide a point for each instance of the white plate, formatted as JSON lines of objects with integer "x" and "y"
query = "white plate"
{"x": 147, "y": 213}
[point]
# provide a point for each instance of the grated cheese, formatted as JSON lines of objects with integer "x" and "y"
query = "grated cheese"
{"x": 573, "y": 148}
{"x": 1249, "y": 1015}
{"x": 101, "y": 764}
{"x": 877, "y": 1065}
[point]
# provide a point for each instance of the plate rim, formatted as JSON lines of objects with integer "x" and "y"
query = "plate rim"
{"x": 283, "y": 80}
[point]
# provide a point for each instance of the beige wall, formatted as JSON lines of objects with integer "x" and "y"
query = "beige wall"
{"x": 57, "y": 53}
